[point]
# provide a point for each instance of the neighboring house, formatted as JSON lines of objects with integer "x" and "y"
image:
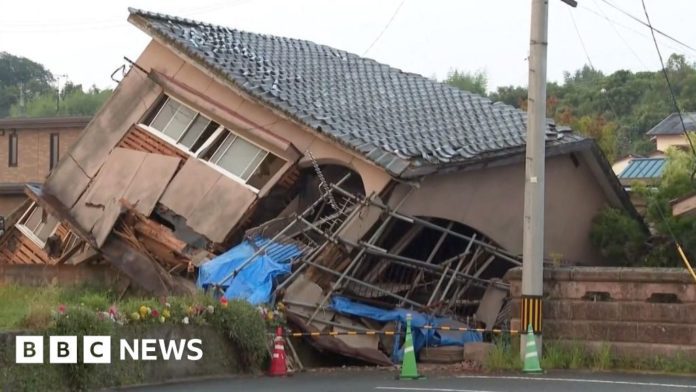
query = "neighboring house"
{"x": 29, "y": 149}
{"x": 644, "y": 171}
{"x": 670, "y": 133}
{"x": 215, "y": 130}
{"x": 620, "y": 164}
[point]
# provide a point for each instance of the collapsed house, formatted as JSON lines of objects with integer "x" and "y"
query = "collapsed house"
{"x": 394, "y": 190}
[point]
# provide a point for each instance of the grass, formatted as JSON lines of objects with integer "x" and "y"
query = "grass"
{"x": 233, "y": 335}
{"x": 30, "y": 308}
{"x": 574, "y": 355}
{"x": 19, "y": 302}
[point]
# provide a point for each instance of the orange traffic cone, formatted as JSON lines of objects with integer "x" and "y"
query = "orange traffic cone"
{"x": 278, "y": 367}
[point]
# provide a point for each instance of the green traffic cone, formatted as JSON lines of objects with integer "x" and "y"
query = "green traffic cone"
{"x": 531, "y": 357}
{"x": 409, "y": 369}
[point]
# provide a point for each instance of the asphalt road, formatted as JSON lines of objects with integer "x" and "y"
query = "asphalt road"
{"x": 383, "y": 381}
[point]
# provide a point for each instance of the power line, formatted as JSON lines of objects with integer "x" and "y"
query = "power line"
{"x": 649, "y": 25}
{"x": 621, "y": 37}
{"x": 613, "y": 22}
{"x": 396, "y": 11}
{"x": 669, "y": 84}
{"x": 582, "y": 42}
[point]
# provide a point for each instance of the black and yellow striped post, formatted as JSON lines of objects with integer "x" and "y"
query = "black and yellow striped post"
{"x": 531, "y": 313}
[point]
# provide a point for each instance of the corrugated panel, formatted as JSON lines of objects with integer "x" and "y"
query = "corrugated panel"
{"x": 644, "y": 168}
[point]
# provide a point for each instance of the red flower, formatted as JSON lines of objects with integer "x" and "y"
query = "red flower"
{"x": 61, "y": 309}
{"x": 154, "y": 313}
{"x": 223, "y": 302}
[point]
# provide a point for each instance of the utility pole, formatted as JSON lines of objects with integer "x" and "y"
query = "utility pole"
{"x": 533, "y": 225}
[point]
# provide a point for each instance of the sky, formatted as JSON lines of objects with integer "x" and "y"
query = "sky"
{"x": 87, "y": 40}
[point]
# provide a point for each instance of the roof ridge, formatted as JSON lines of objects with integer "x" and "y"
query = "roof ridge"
{"x": 399, "y": 120}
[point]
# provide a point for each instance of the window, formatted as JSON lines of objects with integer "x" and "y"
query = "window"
{"x": 183, "y": 125}
{"x": 55, "y": 152}
{"x": 209, "y": 141}
{"x": 37, "y": 225}
{"x": 12, "y": 154}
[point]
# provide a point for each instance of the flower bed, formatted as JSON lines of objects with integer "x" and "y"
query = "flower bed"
{"x": 233, "y": 333}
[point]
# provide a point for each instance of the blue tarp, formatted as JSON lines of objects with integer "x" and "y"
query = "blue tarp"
{"x": 421, "y": 336}
{"x": 254, "y": 283}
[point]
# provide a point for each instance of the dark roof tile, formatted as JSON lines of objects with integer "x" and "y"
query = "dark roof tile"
{"x": 395, "y": 118}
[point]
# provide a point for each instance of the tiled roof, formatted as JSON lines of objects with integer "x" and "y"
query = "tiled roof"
{"x": 643, "y": 168}
{"x": 396, "y": 119}
{"x": 671, "y": 125}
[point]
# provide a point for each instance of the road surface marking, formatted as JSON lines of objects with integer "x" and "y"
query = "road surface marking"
{"x": 583, "y": 380}
{"x": 430, "y": 389}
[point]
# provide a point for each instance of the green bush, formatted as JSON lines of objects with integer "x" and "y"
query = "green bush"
{"x": 246, "y": 329}
{"x": 619, "y": 238}
{"x": 79, "y": 321}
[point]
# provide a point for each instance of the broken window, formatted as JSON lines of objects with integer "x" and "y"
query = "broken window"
{"x": 211, "y": 142}
{"x": 37, "y": 224}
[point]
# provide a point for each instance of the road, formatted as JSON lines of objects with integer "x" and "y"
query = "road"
{"x": 382, "y": 381}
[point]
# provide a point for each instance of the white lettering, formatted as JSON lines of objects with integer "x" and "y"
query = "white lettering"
{"x": 132, "y": 350}
{"x": 167, "y": 348}
{"x": 198, "y": 350}
{"x": 149, "y": 346}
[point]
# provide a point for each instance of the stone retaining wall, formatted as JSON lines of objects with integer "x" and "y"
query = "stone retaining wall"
{"x": 43, "y": 275}
{"x": 636, "y": 311}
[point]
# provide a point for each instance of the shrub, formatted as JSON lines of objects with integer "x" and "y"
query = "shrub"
{"x": 244, "y": 326}
{"x": 619, "y": 238}
{"x": 79, "y": 322}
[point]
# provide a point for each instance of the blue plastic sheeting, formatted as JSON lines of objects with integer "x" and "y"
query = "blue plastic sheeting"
{"x": 421, "y": 336}
{"x": 254, "y": 283}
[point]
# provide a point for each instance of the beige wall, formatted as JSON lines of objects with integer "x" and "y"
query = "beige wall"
{"x": 8, "y": 203}
{"x": 666, "y": 141}
{"x": 491, "y": 201}
{"x": 619, "y": 166}
{"x": 160, "y": 58}
{"x": 33, "y": 158}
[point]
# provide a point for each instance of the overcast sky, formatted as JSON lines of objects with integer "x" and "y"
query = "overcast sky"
{"x": 87, "y": 39}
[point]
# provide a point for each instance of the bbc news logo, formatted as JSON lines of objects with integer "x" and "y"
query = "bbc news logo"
{"x": 97, "y": 349}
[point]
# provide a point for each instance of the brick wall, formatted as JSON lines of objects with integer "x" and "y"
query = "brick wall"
{"x": 8, "y": 203}
{"x": 33, "y": 153}
{"x": 635, "y": 311}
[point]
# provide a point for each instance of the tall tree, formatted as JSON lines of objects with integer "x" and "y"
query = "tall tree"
{"x": 21, "y": 79}
{"x": 473, "y": 82}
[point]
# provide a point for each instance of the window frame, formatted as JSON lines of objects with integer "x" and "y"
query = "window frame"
{"x": 13, "y": 150}
{"x": 28, "y": 232}
{"x": 54, "y": 150}
{"x": 217, "y": 133}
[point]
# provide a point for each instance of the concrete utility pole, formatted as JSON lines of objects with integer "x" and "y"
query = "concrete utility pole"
{"x": 533, "y": 226}
{"x": 533, "y": 235}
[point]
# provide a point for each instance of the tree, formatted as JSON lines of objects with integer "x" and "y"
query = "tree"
{"x": 512, "y": 95}
{"x": 74, "y": 102}
{"x": 473, "y": 82}
{"x": 21, "y": 78}
{"x": 676, "y": 181}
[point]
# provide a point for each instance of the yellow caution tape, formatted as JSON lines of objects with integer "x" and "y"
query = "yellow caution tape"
{"x": 391, "y": 333}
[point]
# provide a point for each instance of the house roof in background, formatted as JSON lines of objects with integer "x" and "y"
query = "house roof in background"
{"x": 401, "y": 121}
{"x": 44, "y": 122}
{"x": 643, "y": 169}
{"x": 671, "y": 125}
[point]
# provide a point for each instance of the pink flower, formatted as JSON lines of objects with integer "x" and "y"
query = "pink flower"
{"x": 61, "y": 309}
{"x": 112, "y": 310}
